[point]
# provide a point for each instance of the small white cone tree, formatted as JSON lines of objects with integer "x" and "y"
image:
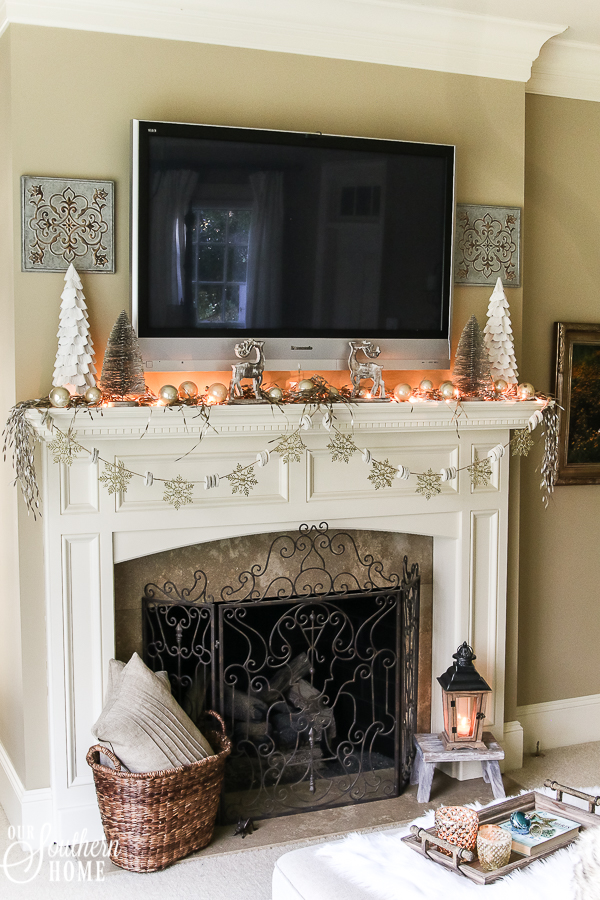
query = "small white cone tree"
{"x": 74, "y": 366}
{"x": 498, "y": 338}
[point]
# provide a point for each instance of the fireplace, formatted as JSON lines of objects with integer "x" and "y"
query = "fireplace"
{"x": 311, "y": 655}
{"x": 90, "y": 537}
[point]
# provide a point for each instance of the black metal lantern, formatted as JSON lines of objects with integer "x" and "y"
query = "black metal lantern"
{"x": 464, "y": 693}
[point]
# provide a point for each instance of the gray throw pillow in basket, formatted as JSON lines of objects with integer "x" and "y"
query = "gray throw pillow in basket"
{"x": 115, "y": 677}
{"x": 144, "y": 724}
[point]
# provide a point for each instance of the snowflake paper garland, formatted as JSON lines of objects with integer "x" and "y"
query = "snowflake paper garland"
{"x": 291, "y": 447}
{"x": 178, "y": 492}
{"x": 64, "y": 447}
{"x": 382, "y": 474}
{"x": 428, "y": 484}
{"x": 341, "y": 447}
{"x": 116, "y": 477}
{"x": 522, "y": 443}
{"x": 480, "y": 472}
{"x": 242, "y": 480}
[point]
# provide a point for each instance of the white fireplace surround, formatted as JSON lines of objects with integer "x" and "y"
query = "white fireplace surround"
{"x": 87, "y": 531}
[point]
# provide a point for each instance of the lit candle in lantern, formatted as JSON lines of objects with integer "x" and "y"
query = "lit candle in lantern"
{"x": 464, "y": 725}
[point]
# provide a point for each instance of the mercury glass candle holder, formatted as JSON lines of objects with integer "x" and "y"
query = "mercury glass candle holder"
{"x": 493, "y": 847}
{"x": 458, "y": 825}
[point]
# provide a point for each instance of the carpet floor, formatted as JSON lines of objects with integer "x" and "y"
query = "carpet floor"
{"x": 232, "y": 869}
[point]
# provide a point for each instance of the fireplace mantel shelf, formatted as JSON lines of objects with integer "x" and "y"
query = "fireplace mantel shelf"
{"x": 161, "y": 422}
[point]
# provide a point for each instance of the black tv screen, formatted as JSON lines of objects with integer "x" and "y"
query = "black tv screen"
{"x": 247, "y": 233}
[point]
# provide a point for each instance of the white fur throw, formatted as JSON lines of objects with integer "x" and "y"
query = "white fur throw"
{"x": 389, "y": 870}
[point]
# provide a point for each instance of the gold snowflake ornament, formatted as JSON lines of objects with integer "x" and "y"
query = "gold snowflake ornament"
{"x": 242, "y": 480}
{"x": 382, "y": 474}
{"x": 429, "y": 484}
{"x": 521, "y": 443}
{"x": 116, "y": 477}
{"x": 341, "y": 447}
{"x": 480, "y": 472}
{"x": 291, "y": 447}
{"x": 64, "y": 447}
{"x": 178, "y": 492}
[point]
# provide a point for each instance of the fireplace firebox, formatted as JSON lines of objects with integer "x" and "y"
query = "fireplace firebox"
{"x": 311, "y": 657}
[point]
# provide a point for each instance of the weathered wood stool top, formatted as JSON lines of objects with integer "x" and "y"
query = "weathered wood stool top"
{"x": 430, "y": 752}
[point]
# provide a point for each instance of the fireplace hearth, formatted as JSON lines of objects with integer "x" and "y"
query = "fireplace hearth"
{"x": 311, "y": 657}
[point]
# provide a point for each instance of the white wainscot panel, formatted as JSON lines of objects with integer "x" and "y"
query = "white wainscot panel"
{"x": 334, "y": 480}
{"x": 272, "y": 480}
{"x": 484, "y": 598}
{"x": 480, "y": 451}
{"x": 79, "y": 487}
{"x": 83, "y": 648}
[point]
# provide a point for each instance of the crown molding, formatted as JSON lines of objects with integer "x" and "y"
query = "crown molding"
{"x": 567, "y": 69}
{"x": 377, "y": 31}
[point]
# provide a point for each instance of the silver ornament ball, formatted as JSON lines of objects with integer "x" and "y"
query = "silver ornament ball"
{"x": 276, "y": 393}
{"x": 402, "y": 391}
{"x": 188, "y": 390}
{"x": 426, "y": 385}
{"x": 526, "y": 391}
{"x": 93, "y": 395}
{"x": 306, "y": 386}
{"x": 168, "y": 394}
{"x": 447, "y": 390}
{"x": 218, "y": 392}
{"x": 500, "y": 385}
{"x": 59, "y": 397}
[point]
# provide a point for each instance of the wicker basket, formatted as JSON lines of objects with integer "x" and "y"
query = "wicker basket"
{"x": 152, "y": 819}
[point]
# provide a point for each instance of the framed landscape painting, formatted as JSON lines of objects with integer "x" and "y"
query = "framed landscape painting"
{"x": 577, "y": 390}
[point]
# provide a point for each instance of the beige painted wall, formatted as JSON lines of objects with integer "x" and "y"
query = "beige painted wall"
{"x": 559, "y": 623}
{"x": 74, "y": 94}
{"x": 11, "y": 685}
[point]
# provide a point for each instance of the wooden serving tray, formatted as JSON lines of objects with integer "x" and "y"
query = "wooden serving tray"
{"x": 425, "y": 842}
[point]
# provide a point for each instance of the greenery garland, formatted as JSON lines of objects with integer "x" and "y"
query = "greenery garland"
{"x": 20, "y": 436}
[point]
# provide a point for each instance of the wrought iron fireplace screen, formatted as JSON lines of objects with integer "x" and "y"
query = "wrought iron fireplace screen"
{"x": 313, "y": 666}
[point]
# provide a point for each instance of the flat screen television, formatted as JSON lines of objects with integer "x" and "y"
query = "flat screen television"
{"x": 306, "y": 241}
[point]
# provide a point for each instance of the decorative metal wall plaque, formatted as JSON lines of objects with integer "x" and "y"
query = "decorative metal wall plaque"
{"x": 488, "y": 242}
{"x": 67, "y": 220}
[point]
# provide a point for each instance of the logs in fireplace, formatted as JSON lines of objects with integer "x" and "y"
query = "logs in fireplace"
{"x": 312, "y": 659}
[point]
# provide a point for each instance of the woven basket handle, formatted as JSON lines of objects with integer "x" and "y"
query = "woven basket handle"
{"x": 93, "y": 756}
{"x": 211, "y": 712}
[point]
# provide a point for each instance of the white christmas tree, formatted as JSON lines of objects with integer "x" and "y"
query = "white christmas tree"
{"x": 74, "y": 366}
{"x": 498, "y": 338}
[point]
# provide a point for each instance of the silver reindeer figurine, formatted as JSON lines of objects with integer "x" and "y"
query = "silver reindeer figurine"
{"x": 364, "y": 370}
{"x": 253, "y": 370}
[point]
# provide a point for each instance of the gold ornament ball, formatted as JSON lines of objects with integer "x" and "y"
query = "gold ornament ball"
{"x": 333, "y": 392}
{"x": 426, "y": 385}
{"x": 402, "y": 391}
{"x": 447, "y": 390}
{"x": 168, "y": 394}
{"x": 526, "y": 391}
{"x": 218, "y": 392}
{"x": 306, "y": 386}
{"x": 59, "y": 397}
{"x": 276, "y": 393}
{"x": 188, "y": 390}
{"x": 93, "y": 395}
{"x": 500, "y": 384}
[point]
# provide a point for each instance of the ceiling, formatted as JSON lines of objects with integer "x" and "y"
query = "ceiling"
{"x": 553, "y": 46}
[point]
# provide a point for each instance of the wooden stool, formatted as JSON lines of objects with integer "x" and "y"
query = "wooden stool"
{"x": 430, "y": 752}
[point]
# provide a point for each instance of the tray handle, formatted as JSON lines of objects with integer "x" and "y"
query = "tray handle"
{"x": 561, "y": 789}
{"x": 458, "y": 853}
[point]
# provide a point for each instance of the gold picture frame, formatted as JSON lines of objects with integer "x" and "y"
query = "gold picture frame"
{"x": 577, "y": 391}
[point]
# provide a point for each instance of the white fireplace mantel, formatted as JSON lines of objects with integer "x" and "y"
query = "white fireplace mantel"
{"x": 87, "y": 531}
